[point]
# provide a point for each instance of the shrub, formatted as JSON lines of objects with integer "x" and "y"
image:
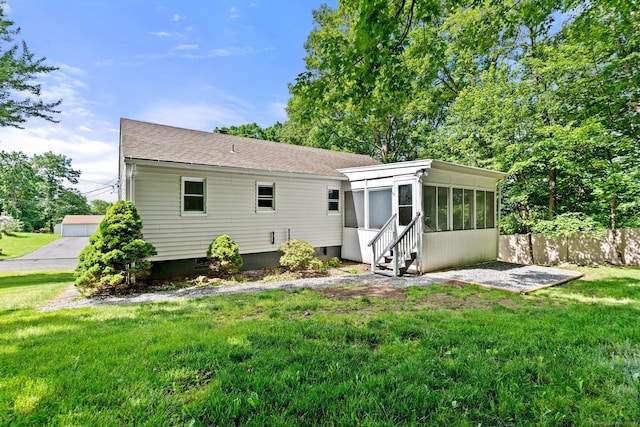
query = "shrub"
{"x": 334, "y": 262}
{"x": 117, "y": 254}
{"x": 224, "y": 256}
{"x": 566, "y": 224}
{"x": 9, "y": 224}
{"x": 299, "y": 255}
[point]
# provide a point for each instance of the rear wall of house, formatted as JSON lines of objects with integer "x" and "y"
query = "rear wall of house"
{"x": 301, "y": 212}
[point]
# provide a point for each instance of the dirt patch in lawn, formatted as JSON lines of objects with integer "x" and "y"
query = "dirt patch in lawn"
{"x": 367, "y": 291}
{"x": 68, "y": 296}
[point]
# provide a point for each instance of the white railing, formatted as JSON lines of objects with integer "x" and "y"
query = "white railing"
{"x": 407, "y": 242}
{"x": 382, "y": 241}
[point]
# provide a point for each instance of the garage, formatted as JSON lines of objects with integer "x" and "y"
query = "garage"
{"x": 80, "y": 225}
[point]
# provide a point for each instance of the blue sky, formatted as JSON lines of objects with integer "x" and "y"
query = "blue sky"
{"x": 196, "y": 64}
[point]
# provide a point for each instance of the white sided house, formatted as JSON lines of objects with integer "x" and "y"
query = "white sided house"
{"x": 191, "y": 186}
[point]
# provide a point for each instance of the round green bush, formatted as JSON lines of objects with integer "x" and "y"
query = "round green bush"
{"x": 224, "y": 256}
{"x": 299, "y": 255}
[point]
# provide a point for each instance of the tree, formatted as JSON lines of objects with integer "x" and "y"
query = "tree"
{"x": 252, "y": 130}
{"x": 117, "y": 253}
{"x": 18, "y": 69}
{"x": 99, "y": 207}
{"x": 54, "y": 170}
{"x": 17, "y": 184}
{"x": 545, "y": 90}
{"x": 356, "y": 90}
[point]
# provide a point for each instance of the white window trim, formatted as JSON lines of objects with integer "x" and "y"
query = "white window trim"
{"x": 273, "y": 200}
{"x": 204, "y": 196}
{"x": 339, "y": 211}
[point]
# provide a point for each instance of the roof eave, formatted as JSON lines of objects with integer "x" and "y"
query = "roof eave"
{"x": 230, "y": 169}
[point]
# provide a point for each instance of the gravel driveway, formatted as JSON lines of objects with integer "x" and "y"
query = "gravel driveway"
{"x": 505, "y": 276}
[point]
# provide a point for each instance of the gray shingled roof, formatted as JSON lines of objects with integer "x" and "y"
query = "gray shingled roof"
{"x": 149, "y": 141}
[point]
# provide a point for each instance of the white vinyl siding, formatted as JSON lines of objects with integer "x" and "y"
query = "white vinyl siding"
{"x": 301, "y": 212}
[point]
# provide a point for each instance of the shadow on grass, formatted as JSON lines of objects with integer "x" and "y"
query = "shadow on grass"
{"x": 9, "y": 234}
{"x": 619, "y": 288}
{"x": 19, "y": 280}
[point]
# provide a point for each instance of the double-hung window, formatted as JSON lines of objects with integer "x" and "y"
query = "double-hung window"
{"x": 193, "y": 195}
{"x": 333, "y": 200}
{"x": 265, "y": 197}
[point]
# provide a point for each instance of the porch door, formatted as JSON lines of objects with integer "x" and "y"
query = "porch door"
{"x": 406, "y": 207}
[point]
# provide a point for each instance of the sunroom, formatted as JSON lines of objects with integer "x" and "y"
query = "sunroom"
{"x": 420, "y": 216}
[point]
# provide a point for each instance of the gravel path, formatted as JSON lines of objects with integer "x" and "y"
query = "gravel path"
{"x": 241, "y": 288}
{"x": 505, "y": 276}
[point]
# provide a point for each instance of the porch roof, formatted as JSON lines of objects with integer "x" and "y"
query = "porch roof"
{"x": 414, "y": 168}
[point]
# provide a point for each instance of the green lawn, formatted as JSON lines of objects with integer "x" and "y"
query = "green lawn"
{"x": 16, "y": 245}
{"x": 440, "y": 355}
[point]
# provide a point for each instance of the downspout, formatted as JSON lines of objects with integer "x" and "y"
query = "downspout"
{"x": 420, "y": 208}
{"x": 130, "y": 190}
{"x": 498, "y": 208}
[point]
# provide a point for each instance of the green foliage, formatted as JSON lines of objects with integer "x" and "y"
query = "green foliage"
{"x": 99, "y": 207}
{"x": 224, "y": 256}
{"x": 546, "y": 91}
{"x": 252, "y": 130}
{"x": 565, "y": 225}
{"x": 299, "y": 255}
{"x": 33, "y": 189}
{"x": 19, "y": 95}
{"x": 117, "y": 254}
{"x": 334, "y": 262}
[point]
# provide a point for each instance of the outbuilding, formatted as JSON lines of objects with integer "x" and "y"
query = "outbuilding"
{"x": 80, "y": 225}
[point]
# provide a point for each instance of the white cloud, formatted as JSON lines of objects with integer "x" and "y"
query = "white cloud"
{"x": 277, "y": 111}
{"x": 88, "y": 141}
{"x": 69, "y": 69}
{"x": 221, "y": 52}
{"x": 95, "y": 157}
{"x": 6, "y": 8}
{"x": 186, "y": 47}
{"x": 177, "y": 17}
{"x": 164, "y": 34}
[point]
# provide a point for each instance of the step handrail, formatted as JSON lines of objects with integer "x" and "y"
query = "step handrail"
{"x": 382, "y": 230}
{"x": 399, "y": 247}
{"x": 405, "y": 231}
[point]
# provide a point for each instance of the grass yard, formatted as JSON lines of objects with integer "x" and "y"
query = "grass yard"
{"x": 15, "y": 245}
{"x": 440, "y": 355}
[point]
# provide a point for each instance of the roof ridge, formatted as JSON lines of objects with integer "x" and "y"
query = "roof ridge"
{"x": 245, "y": 138}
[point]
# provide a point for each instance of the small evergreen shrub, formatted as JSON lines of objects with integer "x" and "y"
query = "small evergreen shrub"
{"x": 224, "y": 256}
{"x": 117, "y": 254}
{"x": 334, "y": 262}
{"x": 299, "y": 255}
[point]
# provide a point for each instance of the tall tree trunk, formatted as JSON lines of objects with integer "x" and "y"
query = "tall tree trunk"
{"x": 614, "y": 229}
{"x": 552, "y": 190}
